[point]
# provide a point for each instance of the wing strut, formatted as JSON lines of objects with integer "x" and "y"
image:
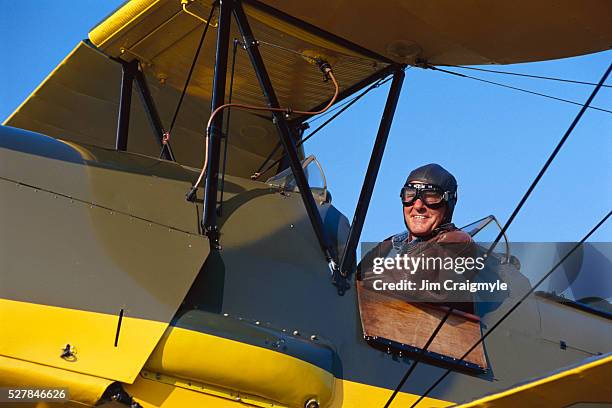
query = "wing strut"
{"x": 128, "y": 71}
{"x": 284, "y": 132}
{"x": 131, "y": 72}
{"x": 348, "y": 257}
{"x": 209, "y": 221}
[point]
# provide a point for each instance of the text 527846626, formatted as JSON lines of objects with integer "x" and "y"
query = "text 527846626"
{"x": 33, "y": 394}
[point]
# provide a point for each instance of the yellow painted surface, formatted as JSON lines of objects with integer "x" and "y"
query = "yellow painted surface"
{"x": 83, "y": 389}
{"x": 243, "y": 371}
{"x": 38, "y": 333}
{"x": 155, "y": 394}
{"x": 351, "y": 394}
{"x": 196, "y": 369}
{"x": 590, "y": 382}
{"x": 126, "y": 15}
{"x": 231, "y": 364}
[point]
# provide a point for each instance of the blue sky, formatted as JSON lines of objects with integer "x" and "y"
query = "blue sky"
{"x": 494, "y": 140}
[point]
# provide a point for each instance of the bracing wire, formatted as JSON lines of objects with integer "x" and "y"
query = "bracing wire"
{"x": 528, "y": 192}
{"x": 550, "y": 159}
{"x": 327, "y": 71}
{"x": 514, "y": 307}
{"x": 518, "y": 74}
{"x": 515, "y": 88}
{"x": 188, "y": 79}
{"x": 344, "y": 107}
{"x": 416, "y": 360}
{"x": 340, "y": 105}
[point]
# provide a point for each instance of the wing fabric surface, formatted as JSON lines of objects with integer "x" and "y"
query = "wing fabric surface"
{"x": 79, "y": 100}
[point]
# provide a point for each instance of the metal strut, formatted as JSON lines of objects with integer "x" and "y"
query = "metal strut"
{"x": 348, "y": 256}
{"x": 128, "y": 71}
{"x": 209, "y": 221}
{"x": 284, "y": 132}
{"x": 153, "y": 115}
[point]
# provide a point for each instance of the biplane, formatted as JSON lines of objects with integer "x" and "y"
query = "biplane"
{"x": 152, "y": 259}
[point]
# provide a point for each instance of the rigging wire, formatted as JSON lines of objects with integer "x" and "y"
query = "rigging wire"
{"x": 259, "y": 171}
{"x": 166, "y": 138}
{"x": 513, "y": 87}
{"x": 514, "y": 307}
{"x": 571, "y": 81}
{"x": 329, "y": 112}
{"x": 280, "y": 47}
{"x": 340, "y": 105}
{"x": 323, "y": 66}
{"x": 227, "y": 125}
{"x": 346, "y": 105}
{"x": 527, "y": 194}
{"x": 417, "y": 359}
{"x": 550, "y": 159}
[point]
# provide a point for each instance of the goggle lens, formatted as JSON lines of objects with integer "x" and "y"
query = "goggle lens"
{"x": 432, "y": 196}
{"x": 429, "y": 196}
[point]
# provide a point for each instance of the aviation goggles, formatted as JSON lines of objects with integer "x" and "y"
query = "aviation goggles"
{"x": 430, "y": 194}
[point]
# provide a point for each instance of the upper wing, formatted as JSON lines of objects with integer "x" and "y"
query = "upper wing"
{"x": 79, "y": 100}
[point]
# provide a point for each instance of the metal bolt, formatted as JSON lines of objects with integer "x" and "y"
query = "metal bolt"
{"x": 311, "y": 403}
{"x": 296, "y": 333}
{"x": 314, "y": 337}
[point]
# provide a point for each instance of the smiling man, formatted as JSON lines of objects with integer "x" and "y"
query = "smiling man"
{"x": 429, "y": 197}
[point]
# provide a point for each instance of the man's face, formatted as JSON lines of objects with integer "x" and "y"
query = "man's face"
{"x": 422, "y": 220}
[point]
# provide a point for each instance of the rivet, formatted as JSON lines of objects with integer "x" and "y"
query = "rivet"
{"x": 296, "y": 333}
{"x": 314, "y": 337}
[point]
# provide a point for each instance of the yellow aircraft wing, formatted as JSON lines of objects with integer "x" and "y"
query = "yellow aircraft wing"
{"x": 79, "y": 100}
{"x": 466, "y": 32}
{"x": 586, "y": 382}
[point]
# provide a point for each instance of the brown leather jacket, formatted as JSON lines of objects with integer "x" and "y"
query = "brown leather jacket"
{"x": 446, "y": 242}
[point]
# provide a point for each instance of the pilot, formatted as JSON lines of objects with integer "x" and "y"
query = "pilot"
{"x": 428, "y": 198}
